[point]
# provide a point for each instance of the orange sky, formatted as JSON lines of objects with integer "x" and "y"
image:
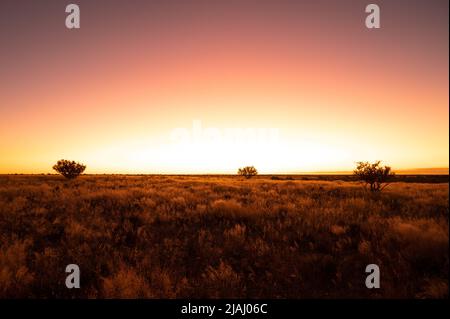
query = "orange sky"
{"x": 112, "y": 93}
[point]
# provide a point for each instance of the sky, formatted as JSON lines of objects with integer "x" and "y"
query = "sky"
{"x": 189, "y": 86}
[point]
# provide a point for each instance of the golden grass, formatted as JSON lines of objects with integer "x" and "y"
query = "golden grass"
{"x": 188, "y": 236}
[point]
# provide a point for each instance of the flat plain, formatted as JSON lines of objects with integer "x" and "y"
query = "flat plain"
{"x": 222, "y": 236}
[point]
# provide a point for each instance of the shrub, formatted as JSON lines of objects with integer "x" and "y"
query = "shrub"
{"x": 374, "y": 175}
{"x": 69, "y": 169}
{"x": 247, "y": 171}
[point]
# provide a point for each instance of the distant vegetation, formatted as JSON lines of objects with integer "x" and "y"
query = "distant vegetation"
{"x": 69, "y": 169}
{"x": 374, "y": 175}
{"x": 211, "y": 237}
{"x": 248, "y": 171}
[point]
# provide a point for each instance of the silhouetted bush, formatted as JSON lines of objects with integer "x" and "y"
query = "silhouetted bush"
{"x": 374, "y": 175}
{"x": 69, "y": 169}
{"x": 247, "y": 171}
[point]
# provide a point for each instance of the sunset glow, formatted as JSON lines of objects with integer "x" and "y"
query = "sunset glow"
{"x": 112, "y": 93}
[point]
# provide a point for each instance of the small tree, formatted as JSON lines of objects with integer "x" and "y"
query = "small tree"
{"x": 374, "y": 175}
{"x": 247, "y": 171}
{"x": 69, "y": 169}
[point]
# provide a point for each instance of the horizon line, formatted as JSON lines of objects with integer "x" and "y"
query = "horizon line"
{"x": 411, "y": 171}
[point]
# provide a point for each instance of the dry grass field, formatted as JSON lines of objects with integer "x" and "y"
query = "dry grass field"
{"x": 195, "y": 237}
